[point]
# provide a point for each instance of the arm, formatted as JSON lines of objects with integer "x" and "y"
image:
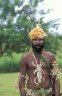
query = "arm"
{"x": 23, "y": 69}
{"x": 55, "y": 76}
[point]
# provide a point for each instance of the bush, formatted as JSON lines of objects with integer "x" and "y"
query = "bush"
{"x": 10, "y": 63}
{"x": 59, "y": 58}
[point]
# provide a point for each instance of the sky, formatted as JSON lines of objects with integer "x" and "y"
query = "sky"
{"x": 56, "y": 13}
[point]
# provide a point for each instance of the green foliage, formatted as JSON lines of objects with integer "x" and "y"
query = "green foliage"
{"x": 10, "y": 63}
{"x": 60, "y": 37}
{"x": 51, "y": 43}
{"x": 16, "y": 24}
{"x": 59, "y": 54}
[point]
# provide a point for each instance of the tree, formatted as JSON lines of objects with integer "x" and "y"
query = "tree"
{"x": 15, "y": 24}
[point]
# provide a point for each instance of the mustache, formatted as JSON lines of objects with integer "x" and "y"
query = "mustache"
{"x": 37, "y": 48}
{"x": 38, "y": 45}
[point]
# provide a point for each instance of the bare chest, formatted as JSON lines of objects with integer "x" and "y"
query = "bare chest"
{"x": 36, "y": 63}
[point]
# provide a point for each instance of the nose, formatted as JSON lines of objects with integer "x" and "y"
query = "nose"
{"x": 38, "y": 41}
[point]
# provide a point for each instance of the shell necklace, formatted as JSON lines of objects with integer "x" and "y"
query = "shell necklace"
{"x": 38, "y": 71}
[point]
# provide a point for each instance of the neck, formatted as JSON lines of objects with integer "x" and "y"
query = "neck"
{"x": 38, "y": 52}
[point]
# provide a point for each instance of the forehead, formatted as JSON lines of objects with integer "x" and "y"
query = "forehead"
{"x": 37, "y": 39}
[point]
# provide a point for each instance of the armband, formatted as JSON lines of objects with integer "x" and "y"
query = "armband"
{"x": 55, "y": 71}
{"x": 20, "y": 76}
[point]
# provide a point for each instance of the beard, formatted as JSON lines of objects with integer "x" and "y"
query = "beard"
{"x": 38, "y": 48}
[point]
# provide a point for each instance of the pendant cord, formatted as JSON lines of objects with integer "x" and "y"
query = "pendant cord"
{"x": 35, "y": 59}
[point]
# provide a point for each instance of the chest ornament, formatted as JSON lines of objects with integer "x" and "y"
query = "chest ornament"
{"x": 38, "y": 72}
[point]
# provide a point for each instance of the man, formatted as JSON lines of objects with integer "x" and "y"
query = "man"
{"x": 38, "y": 71}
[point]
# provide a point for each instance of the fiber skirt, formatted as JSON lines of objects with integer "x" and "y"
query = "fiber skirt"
{"x": 39, "y": 92}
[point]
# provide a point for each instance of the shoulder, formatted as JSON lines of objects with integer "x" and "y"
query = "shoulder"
{"x": 50, "y": 55}
{"x": 26, "y": 56}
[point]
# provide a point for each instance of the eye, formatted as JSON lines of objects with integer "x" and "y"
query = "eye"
{"x": 41, "y": 39}
{"x": 34, "y": 39}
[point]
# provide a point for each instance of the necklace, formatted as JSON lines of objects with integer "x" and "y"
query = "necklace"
{"x": 38, "y": 71}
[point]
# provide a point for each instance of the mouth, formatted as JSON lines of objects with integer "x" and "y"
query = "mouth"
{"x": 37, "y": 46}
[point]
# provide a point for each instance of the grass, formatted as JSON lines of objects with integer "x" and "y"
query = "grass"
{"x": 7, "y": 84}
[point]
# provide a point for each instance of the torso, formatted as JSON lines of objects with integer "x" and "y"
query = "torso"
{"x": 31, "y": 68}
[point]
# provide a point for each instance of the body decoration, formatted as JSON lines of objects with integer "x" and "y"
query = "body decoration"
{"x": 39, "y": 92}
{"x": 38, "y": 71}
{"x": 55, "y": 70}
{"x": 37, "y": 32}
{"x": 19, "y": 77}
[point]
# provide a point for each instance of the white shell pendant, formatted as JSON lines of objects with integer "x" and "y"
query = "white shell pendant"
{"x": 39, "y": 72}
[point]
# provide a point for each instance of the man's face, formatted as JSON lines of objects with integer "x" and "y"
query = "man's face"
{"x": 38, "y": 44}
